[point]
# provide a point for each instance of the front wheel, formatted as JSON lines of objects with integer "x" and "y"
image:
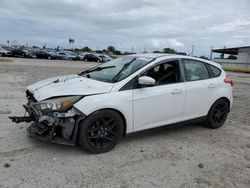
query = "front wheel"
{"x": 217, "y": 114}
{"x": 101, "y": 131}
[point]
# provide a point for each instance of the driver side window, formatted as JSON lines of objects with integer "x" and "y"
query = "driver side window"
{"x": 165, "y": 73}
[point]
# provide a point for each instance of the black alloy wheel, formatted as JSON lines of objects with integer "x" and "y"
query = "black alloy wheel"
{"x": 217, "y": 114}
{"x": 101, "y": 131}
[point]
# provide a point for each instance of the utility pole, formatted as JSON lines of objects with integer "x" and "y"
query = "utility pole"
{"x": 211, "y": 53}
{"x": 192, "y": 51}
{"x": 222, "y": 55}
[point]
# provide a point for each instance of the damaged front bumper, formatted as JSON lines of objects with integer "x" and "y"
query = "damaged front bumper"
{"x": 56, "y": 127}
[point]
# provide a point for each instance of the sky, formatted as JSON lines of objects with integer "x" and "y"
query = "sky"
{"x": 139, "y": 24}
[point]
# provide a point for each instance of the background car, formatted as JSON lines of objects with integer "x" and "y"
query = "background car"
{"x": 21, "y": 53}
{"x": 42, "y": 54}
{"x": 105, "y": 58}
{"x": 67, "y": 56}
{"x": 92, "y": 57}
{"x": 4, "y": 52}
{"x": 29, "y": 53}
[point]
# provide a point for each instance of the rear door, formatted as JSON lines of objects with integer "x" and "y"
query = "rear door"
{"x": 200, "y": 88}
{"x": 163, "y": 103}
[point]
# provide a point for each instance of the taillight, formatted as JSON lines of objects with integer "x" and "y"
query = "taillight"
{"x": 228, "y": 81}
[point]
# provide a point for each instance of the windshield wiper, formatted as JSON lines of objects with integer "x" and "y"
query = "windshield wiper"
{"x": 125, "y": 66}
{"x": 96, "y": 69}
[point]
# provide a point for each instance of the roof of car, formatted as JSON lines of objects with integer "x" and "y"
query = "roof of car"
{"x": 150, "y": 55}
{"x": 160, "y": 55}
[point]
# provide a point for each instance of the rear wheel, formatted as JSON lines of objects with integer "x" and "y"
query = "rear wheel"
{"x": 101, "y": 131}
{"x": 217, "y": 114}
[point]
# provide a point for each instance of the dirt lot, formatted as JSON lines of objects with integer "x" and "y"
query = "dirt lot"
{"x": 186, "y": 156}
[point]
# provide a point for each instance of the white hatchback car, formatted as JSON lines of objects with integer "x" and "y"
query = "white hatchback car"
{"x": 132, "y": 93}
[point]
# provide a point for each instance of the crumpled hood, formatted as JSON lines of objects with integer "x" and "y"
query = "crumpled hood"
{"x": 66, "y": 86}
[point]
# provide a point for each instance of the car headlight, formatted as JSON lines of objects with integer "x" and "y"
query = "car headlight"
{"x": 57, "y": 104}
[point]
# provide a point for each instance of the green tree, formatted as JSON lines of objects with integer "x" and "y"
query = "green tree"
{"x": 104, "y": 51}
{"x": 71, "y": 41}
{"x": 181, "y": 53}
{"x": 232, "y": 57}
{"x": 117, "y": 52}
{"x": 169, "y": 51}
{"x": 86, "y": 49}
{"x": 157, "y": 51}
{"x": 203, "y": 57}
{"x": 111, "y": 48}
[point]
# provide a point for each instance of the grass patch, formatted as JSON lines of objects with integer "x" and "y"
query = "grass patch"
{"x": 236, "y": 69}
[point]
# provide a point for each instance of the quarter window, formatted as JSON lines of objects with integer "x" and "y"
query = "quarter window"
{"x": 216, "y": 72}
{"x": 195, "y": 70}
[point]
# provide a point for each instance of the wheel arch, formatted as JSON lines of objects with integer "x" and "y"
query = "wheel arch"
{"x": 115, "y": 110}
{"x": 224, "y": 98}
{"x": 227, "y": 100}
{"x": 123, "y": 119}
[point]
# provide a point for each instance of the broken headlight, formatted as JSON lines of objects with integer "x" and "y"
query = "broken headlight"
{"x": 57, "y": 104}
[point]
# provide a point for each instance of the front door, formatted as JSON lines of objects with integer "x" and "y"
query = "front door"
{"x": 163, "y": 103}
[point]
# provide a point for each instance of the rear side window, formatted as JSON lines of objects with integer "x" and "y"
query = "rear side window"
{"x": 215, "y": 71}
{"x": 195, "y": 70}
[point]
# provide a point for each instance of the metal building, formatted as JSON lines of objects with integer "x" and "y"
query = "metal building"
{"x": 242, "y": 53}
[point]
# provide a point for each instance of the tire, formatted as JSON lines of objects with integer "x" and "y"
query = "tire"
{"x": 100, "y": 131}
{"x": 85, "y": 60}
{"x": 217, "y": 114}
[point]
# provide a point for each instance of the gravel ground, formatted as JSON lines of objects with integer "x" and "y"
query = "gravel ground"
{"x": 184, "y": 156}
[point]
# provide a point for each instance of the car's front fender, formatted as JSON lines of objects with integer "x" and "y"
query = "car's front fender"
{"x": 121, "y": 101}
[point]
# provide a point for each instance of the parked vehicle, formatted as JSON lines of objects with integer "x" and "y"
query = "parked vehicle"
{"x": 41, "y": 54}
{"x": 67, "y": 56}
{"x": 81, "y": 55}
{"x": 92, "y": 57}
{"x": 29, "y": 54}
{"x": 105, "y": 58}
{"x": 4, "y": 52}
{"x": 137, "y": 92}
{"x": 21, "y": 53}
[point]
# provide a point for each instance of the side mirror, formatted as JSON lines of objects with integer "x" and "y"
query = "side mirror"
{"x": 146, "y": 81}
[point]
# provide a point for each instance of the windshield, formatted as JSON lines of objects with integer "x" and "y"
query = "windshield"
{"x": 116, "y": 70}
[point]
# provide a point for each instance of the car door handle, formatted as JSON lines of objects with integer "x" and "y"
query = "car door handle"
{"x": 211, "y": 86}
{"x": 176, "y": 91}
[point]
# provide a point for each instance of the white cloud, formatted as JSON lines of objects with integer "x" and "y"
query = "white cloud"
{"x": 161, "y": 43}
{"x": 142, "y": 23}
{"x": 234, "y": 25}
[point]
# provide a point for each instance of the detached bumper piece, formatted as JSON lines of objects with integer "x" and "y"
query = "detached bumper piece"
{"x": 17, "y": 119}
{"x": 55, "y": 127}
